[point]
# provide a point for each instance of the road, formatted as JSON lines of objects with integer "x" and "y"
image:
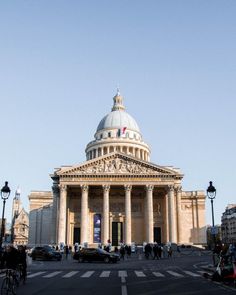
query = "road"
{"x": 178, "y": 275}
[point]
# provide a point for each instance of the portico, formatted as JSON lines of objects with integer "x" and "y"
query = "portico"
{"x": 138, "y": 201}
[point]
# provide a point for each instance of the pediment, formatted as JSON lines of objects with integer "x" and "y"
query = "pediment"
{"x": 117, "y": 164}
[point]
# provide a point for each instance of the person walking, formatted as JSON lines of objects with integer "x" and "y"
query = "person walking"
{"x": 122, "y": 252}
{"x": 160, "y": 248}
{"x": 128, "y": 251}
{"x": 169, "y": 251}
{"x": 147, "y": 250}
{"x": 67, "y": 251}
{"x": 155, "y": 251}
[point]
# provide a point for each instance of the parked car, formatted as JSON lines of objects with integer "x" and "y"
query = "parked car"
{"x": 45, "y": 253}
{"x": 93, "y": 254}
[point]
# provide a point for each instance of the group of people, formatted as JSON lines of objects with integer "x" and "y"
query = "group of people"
{"x": 13, "y": 258}
{"x": 157, "y": 251}
{"x": 64, "y": 249}
{"x": 124, "y": 249}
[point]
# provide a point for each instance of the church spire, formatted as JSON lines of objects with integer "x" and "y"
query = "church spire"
{"x": 17, "y": 193}
{"x": 118, "y": 102}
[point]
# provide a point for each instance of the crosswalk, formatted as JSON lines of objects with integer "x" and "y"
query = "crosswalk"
{"x": 115, "y": 273}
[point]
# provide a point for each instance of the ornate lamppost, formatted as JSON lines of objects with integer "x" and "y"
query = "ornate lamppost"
{"x": 211, "y": 194}
{"x": 5, "y": 193}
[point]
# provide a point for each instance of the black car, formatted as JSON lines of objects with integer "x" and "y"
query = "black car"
{"x": 45, "y": 253}
{"x": 93, "y": 254}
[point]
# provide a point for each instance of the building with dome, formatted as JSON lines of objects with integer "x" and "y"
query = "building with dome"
{"x": 117, "y": 194}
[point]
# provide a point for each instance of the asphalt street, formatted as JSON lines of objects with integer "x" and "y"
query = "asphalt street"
{"x": 177, "y": 275}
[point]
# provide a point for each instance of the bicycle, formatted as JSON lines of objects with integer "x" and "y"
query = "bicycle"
{"x": 9, "y": 283}
{"x": 21, "y": 273}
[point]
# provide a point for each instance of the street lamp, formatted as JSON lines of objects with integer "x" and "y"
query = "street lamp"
{"x": 211, "y": 194}
{"x": 5, "y": 193}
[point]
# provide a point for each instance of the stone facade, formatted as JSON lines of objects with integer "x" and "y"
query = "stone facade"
{"x": 228, "y": 224}
{"x": 20, "y": 223}
{"x": 40, "y": 218}
{"x": 117, "y": 194}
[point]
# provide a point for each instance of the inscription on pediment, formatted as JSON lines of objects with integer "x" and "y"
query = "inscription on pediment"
{"x": 116, "y": 165}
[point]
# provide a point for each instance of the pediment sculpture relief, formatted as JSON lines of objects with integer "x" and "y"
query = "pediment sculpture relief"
{"x": 117, "y": 166}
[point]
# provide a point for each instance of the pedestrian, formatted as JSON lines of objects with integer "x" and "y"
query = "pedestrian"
{"x": 178, "y": 250}
{"x": 126, "y": 250}
{"x": 160, "y": 248}
{"x": 10, "y": 257}
{"x": 169, "y": 251}
{"x": 155, "y": 251}
{"x": 165, "y": 251}
{"x": 76, "y": 247}
{"x": 129, "y": 251}
{"x": 22, "y": 261}
{"x": 122, "y": 252}
{"x": 66, "y": 249}
{"x": 147, "y": 250}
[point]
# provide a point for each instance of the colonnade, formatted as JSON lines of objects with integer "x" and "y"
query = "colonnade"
{"x": 173, "y": 215}
{"x": 135, "y": 152}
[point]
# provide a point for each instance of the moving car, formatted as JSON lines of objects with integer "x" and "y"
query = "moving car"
{"x": 93, "y": 254}
{"x": 45, "y": 253}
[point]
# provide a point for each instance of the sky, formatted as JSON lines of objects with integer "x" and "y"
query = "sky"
{"x": 173, "y": 61}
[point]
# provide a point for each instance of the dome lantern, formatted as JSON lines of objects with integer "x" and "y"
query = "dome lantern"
{"x": 118, "y": 102}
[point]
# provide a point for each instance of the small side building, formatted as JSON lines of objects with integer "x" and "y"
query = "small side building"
{"x": 40, "y": 218}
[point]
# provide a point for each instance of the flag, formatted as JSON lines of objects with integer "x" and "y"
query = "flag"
{"x": 121, "y": 131}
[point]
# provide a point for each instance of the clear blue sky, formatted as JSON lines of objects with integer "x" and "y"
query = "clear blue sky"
{"x": 174, "y": 61}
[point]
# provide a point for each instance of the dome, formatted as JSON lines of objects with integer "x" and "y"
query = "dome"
{"x": 118, "y": 132}
{"x": 118, "y": 119}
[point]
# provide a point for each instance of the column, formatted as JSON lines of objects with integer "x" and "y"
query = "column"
{"x": 56, "y": 195}
{"x": 171, "y": 214}
{"x": 62, "y": 215}
{"x": 141, "y": 153}
{"x": 106, "y": 212}
{"x": 178, "y": 206}
{"x": 149, "y": 213}
{"x": 84, "y": 215}
{"x": 102, "y": 151}
{"x": 138, "y": 153}
{"x": 167, "y": 218}
{"x": 128, "y": 189}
